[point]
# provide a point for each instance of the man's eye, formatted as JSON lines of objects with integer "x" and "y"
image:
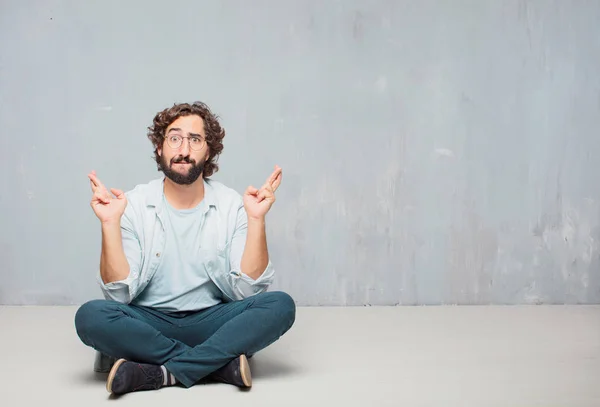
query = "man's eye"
{"x": 175, "y": 138}
{"x": 196, "y": 140}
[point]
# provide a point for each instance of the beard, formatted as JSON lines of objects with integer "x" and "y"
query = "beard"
{"x": 194, "y": 171}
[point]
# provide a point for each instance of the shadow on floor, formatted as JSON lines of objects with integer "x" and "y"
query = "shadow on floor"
{"x": 263, "y": 366}
{"x": 93, "y": 377}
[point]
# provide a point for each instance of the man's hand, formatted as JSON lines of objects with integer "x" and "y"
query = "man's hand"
{"x": 107, "y": 208}
{"x": 257, "y": 202}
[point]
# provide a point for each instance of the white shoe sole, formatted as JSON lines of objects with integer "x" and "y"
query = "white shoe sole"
{"x": 111, "y": 375}
{"x": 245, "y": 371}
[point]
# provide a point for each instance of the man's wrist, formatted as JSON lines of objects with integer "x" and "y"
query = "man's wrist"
{"x": 110, "y": 224}
{"x": 260, "y": 221}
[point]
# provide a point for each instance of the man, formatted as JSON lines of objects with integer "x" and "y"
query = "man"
{"x": 184, "y": 267}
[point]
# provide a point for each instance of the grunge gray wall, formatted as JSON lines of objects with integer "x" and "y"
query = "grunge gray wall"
{"x": 434, "y": 152}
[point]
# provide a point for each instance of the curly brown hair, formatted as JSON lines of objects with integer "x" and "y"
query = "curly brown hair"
{"x": 212, "y": 128}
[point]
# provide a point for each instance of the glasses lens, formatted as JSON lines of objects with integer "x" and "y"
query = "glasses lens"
{"x": 196, "y": 143}
{"x": 174, "y": 141}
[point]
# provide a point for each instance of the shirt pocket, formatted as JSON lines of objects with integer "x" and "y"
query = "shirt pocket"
{"x": 209, "y": 259}
{"x": 216, "y": 263}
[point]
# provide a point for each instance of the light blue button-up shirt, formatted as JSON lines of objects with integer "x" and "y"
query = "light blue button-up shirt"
{"x": 220, "y": 249}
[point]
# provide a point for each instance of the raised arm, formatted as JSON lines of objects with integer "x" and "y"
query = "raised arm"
{"x": 109, "y": 209}
{"x": 257, "y": 203}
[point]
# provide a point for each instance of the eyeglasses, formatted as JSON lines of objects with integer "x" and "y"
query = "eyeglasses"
{"x": 175, "y": 141}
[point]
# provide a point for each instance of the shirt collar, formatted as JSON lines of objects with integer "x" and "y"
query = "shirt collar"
{"x": 156, "y": 193}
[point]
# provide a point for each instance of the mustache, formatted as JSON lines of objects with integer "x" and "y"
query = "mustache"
{"x": 182, "y": 159}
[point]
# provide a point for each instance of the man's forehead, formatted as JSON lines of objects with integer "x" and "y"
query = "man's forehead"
{"x": 190, "y": 123}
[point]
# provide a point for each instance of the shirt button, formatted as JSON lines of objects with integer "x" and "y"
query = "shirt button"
{"x": 157, "y": 254}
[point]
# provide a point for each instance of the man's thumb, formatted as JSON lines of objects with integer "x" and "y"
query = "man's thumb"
{"x": 251, "y": 190}
{"x": 118, "y": 193}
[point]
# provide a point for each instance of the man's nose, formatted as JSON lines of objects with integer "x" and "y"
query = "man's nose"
{"x": 185, "y": 147}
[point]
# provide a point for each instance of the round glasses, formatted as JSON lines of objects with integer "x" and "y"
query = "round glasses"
{"x": 175, "y": 141}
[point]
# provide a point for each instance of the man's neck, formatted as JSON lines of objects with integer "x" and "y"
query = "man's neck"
{"x": 184, "y": 196}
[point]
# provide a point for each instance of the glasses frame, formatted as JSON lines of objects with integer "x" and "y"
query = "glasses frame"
{"x": 189, "y": 142}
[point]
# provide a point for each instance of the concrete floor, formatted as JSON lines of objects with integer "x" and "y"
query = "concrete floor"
{"x": 366, "y": 356}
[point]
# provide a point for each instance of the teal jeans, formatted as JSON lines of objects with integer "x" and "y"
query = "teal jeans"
{"x": 191, "y": 345}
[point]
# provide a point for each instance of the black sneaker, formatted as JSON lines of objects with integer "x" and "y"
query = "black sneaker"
{"x": 236, "y": 372}
{"x": 125, "y": 377}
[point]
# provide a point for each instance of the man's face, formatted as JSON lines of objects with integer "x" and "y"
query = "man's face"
{"x": 184, "y": 163}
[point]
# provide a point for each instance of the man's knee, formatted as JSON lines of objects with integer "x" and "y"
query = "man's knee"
{"x": 89, "y": 319}
{"x": 283, "y": 306}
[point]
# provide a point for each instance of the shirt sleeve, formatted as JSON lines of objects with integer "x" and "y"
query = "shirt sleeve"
{"x": 242, "y": 284}
{"x": 125, "y": 290}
